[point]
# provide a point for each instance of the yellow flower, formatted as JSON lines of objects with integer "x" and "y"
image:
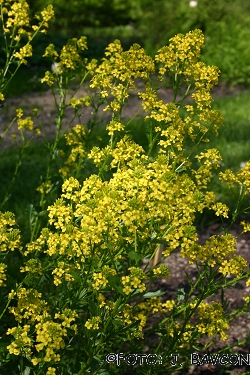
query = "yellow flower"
{"x": 100, "y": 281}
{"x": 48, "y": 78}
{"x": 246, "y": 226}
{"x": 35, "y": 361}
{"x": 19, "y": 112}
{"x": 26, "y": 123}
{"x": 25, "y": 51}
{"x": 93, "y": 323}
{"x": 114, "y": 126}
{"x": 236, "y": 265}
{"x": 3, "y": 267}
{"x": 169, "y": 305}
{"x": 51, "y": 371}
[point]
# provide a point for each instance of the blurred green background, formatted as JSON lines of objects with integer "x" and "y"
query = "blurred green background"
{"x": 225, "y": 24}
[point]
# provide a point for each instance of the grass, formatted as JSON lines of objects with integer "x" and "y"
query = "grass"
{"x": 26, "y": 80}
{"x": 233, "y": 143}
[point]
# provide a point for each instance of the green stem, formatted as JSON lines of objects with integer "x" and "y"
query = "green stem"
{"x": 4, "y": 82}
{"x": 61, "y": 110}
{"x": 237, "y": 209}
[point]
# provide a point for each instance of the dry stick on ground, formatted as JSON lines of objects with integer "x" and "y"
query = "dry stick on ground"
{"x": 158, "y": 255}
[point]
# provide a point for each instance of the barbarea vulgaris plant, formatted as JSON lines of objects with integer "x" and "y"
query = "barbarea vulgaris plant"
{"x": 86, "y": 291}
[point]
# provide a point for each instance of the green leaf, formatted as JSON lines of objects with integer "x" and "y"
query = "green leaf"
{"x": 76, "y": 276}
{"x": 78, "y": 219}
{"x": 114, "y": 281}
{"x": 180, "y": 293}
{"x": 83, "y": 294}
{"x": 92, "y": 307}
{"x": 42, "y": 213}
{"x": 135, "y": 256}
{"x": 153, "y": 294}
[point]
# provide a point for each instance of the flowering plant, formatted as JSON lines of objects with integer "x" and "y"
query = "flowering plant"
{"x": 85, "y": 290}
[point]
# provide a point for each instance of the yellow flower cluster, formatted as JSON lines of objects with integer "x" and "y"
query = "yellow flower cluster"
{"x": 99, "y": 155}
{"x": 235, "y": 266}
{"x": 241, "y": 178}
{"x": 25, "y": 51}
{"x": 18, "y": 16}
{"x": 41, "y": 332}
{"x": 108, "y": 305}
{"x": 22, "y": 342}
{"x": 212, "y": 253}
{"x": 129, "y": 315}
{"x": 27, "y": 123}
{"x": 47, "y": 14}
{"x": 162, "y": 271}
{"x": 44, "y": 17}
{"x": 69, "y": 188}
{"x": 180, "y": 58}
{"x": 155, "y": 305}
{"x": 93, "y": 323}
{"x": 246, "y": 226}
{"x": 33, "y": 266}
{"x": 16, "y": 23}
{"x": 45, "y": 187}
{"x": 52, "y": 333}
{"x": 67, "y": 316}
{"x": 69, "y": 59}
{"x": 212, "y": 320}
{"x": 76, "y": 140}
{"x": 48, "y": 78}
{"x": 114, "y": 126}
{"x": 121, "y": 67}
{"x": 51, "y": 52}
{"x": 220, "y": 209}
{"x": 100, "y": 278}
{"x": 69, "y": 56}
{"x": 134, "y": 280}
{"x": 60, "y": 214}
{"x": 10, "y": 238}
{"x": 51, "y": 371}
{"x": 140, "y": 192}
{"x": 182, "y": 53}
{"x": 62, "y": 271}
{"x": 39, "y": 244}
{"x": 126, "y": 151}
{"x": 80, "y": 102}
{"x": 3, "y": 267}
{"x": 176, "y": 329}
{"x": 29, "y": 305}
{"x": 204, "y": 173}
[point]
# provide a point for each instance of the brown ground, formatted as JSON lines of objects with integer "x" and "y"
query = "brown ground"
{"x": 47, "y": 109}
{"x": 178, "y": 266}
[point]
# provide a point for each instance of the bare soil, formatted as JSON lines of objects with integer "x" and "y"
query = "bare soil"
{"x": 45, "y": 103}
